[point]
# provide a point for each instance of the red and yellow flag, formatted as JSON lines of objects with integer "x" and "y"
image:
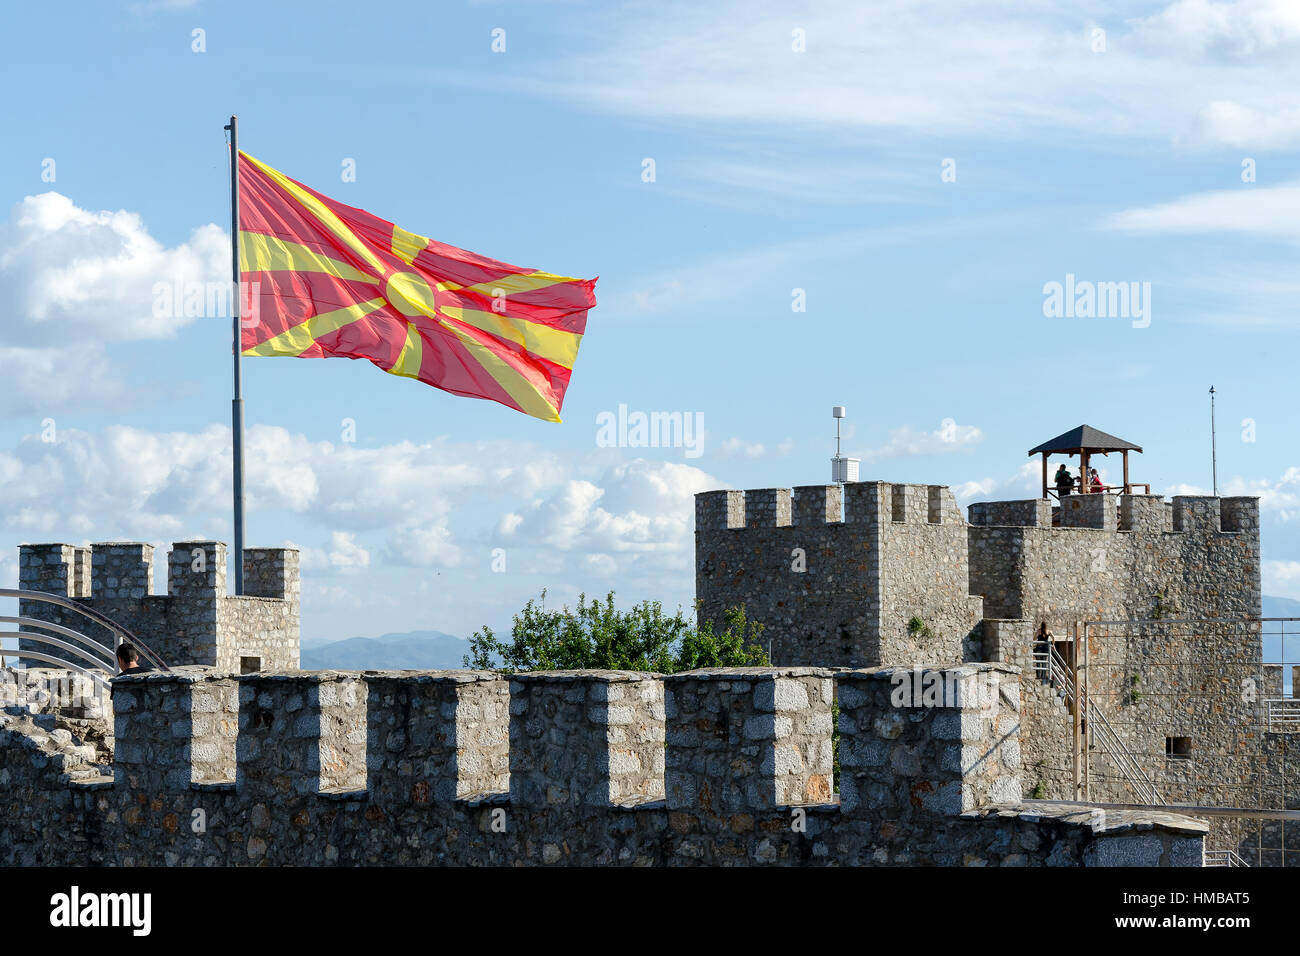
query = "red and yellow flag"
{"x": 328, "y": 279}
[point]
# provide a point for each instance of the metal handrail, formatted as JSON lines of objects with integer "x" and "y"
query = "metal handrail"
{"x": 1099, "y": 726}
{"x": 1224, "y": 858}
{"x": 1105, "y": 489}
{"x": 59, "y": 629}
{"x": 122, "y": 633}
{"x": 1283, "y": 714}
{"x": 53, "y": 642}
{"x": 64, "y": 665}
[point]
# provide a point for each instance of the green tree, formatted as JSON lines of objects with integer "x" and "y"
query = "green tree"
{"x": 598, "y": 635}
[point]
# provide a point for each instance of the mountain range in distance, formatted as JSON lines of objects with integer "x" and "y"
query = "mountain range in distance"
{"x": 411, "y": 650}
{"x": 437, "y": 650}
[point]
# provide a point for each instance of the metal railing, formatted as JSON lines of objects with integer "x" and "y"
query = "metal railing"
{"x": 1105, "y": 489}
{"x": 86, "y": 649}
{"x": 1051, "y": 667}
{"x": 1224, "y": 858}
{"x": 1283, "y": 714}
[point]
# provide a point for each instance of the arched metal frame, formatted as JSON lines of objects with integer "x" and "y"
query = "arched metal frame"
{"x": 120, "y": 633}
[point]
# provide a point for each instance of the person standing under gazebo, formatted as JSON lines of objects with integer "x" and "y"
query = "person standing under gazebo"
{"x": 1064, "y": 482}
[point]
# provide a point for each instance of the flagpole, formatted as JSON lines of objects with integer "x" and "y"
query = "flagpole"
{"x": 237, "y": 403}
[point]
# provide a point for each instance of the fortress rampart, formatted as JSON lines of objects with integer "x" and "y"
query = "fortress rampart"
{"x": 730, "y": 766}
{"x": 837, "y": 573}
{"x": 195, "y": 622}
{"x": 880, "y": 574}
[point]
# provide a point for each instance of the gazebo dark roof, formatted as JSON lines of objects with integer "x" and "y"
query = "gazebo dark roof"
{"x": 1084, "y": 438}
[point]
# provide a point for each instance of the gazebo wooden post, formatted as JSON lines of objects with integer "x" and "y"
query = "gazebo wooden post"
{"x": 1126, "y": 487}
{"x": 1083, "y": 458}
{"x": 1044, "y": 474}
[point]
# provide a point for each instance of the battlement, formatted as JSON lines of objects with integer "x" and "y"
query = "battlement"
{"x": 838, "y": 573}
{"x": 196, "y": 621}
{"x": 719, "y": 766}
{"x": 123, "y": 570}
{"x": 723, "y": 740}
{"x": 1147, "y": 513}
{"x": 859, "y": 503}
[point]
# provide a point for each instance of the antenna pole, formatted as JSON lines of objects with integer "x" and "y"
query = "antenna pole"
{"x": 1214, "y": 450}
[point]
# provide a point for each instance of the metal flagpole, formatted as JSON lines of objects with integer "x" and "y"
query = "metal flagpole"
{"x": 1214, "y": 451}
{"x": 237, "y": 403}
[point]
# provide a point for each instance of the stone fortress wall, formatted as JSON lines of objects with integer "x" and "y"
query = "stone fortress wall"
{"x": 195, "y": 622}
{"x": 877, "y": 583}
{"x": 880, "y": 554}
{"x": 725, "y": 767}
{"x": 836, "y": 574}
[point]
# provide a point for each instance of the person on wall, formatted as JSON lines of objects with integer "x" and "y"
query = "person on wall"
{"x": 1064, "y": 482}
{"x": 1094, "y": 484}
{"x": 128, "y": 660}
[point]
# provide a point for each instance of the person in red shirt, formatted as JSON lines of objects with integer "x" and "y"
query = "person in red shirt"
{"x": 1094, "y": 485}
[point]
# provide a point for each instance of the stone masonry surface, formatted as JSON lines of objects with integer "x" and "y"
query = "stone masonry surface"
{"x": 717, "y": 767}
{"x": 195, "y": 622}
{"x": 836, "y": 574}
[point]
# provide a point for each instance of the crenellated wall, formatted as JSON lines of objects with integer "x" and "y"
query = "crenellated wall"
{"x": 1112, "y": 555}
{"x": 195, "y": 622}
{"x": 727, "y": 766}
{"x": 879, "y": 553}
{"x": 836, "y": 574}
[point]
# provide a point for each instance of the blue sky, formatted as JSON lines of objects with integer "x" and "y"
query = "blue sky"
{"x": 794, "y": 147}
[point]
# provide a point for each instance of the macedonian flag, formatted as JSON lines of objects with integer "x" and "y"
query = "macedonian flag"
{"x": 326, "y": 279}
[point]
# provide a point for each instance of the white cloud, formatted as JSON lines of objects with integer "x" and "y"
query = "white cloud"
{"x": 740, "y": 448}
{"x": 1231, "y": 124}
{"x": 71, "y": 280}
{"x": 129, "y": 482}
{"x": 934, "y": 67}
{"x": 907, "y": 442}
{"x": 343, "y": 554}
{"x": 1242, "y": 28}
{"x": 639, "y": 507}
{"x": 42, "y": 381}
{"x": 1025, "y": 483}
{"x": 67, "y": 273}
{"x": 1281, "y": 578}
{"x": 424, "y": 546}
{"x": 1265, "y": 211}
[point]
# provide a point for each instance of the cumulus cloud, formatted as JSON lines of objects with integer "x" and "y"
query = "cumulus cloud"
{"x": 1281, "y": 578}
{"x": 130, "y": 482}
{"x": 907, "y": 442}
{"x": 635, "y": 510}
{"x": 72, "y": 280}
{"x": 1240, "y": 28}
{"x": 41, "y": 381}
{"x": 70, "y": 273}
{"x": 424, "y": 546}
{"x": 343, "y": 554}
{"x": 1025, "y": 483}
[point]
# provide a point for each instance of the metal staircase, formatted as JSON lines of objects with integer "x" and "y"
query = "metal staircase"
{"x": 1052, "y": 669}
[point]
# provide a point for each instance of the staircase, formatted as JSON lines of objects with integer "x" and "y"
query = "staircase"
{"x": 1052, "y": 669}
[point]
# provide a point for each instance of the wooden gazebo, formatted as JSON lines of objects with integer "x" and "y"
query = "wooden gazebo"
{"x": 1086, "y": 441}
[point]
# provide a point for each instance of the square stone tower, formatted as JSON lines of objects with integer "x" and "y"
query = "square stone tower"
{"x": 195, "y": 622}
